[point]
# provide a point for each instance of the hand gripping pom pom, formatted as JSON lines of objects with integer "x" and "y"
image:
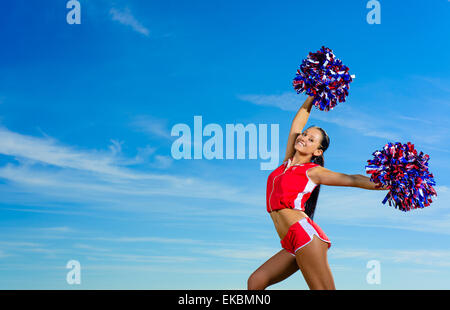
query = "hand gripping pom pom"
{"x": 405, "y": 173}
{"x": 325, "y": 77}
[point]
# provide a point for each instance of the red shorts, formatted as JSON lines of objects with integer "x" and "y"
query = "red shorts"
{"x": 301, "y": 233}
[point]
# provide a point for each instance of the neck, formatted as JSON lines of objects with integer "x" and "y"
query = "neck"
{"x": 299, "y": 159}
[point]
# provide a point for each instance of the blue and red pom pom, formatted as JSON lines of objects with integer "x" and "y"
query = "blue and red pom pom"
{"x": 405, "y": 173}
{"x": 323, "y": 76}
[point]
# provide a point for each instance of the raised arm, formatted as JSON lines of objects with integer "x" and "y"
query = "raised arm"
{"x": 297, "y": 126}
{"x": 321, "y": 175}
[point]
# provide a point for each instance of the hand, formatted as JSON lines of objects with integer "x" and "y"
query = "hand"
{"x": 308, "y": 102}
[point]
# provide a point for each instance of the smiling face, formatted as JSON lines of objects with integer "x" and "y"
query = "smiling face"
{"x": 309, "y": 142}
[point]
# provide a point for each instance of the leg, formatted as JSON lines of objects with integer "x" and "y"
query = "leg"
{"x": 276, "y": 269}
{"x": 312, "y": 261}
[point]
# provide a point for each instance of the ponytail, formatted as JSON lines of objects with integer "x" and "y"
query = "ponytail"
{"x": 310, "y": 204}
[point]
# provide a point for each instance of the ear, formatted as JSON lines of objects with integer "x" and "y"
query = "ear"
{"x": 318, "y": 152}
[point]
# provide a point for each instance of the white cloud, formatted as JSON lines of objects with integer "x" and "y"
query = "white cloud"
{"x": 3, "y": 254}
{"x": 342, "y": 115}
{"x": 53, "y": 171}
{"x": 77, "y": 187}
{"x": 426, "y": 257}
{"x": 286, "y": 101}
{"x": 436, "y": 82}
{"x": 364, "y": 208}
{"x": 19, "y": 244}
{"x": 173, "y": 269}
{"x": 151, "y": 126}
{"x": 59, "y": 229}
{"x": 90, "y": 247}
{"x": 147, "y": 240}
{"x": 251, "y": 253}
{"x": 125, "y": 17}
{"x": 413, "y": 108}
{"x": 137, "y": 258}
{"x": 144, "y": 153}
{"x": 48, "y": 151}
{"x": 365, "y": 124}
{"x": 116, "y": 147}
{"x": 163, "y": 162}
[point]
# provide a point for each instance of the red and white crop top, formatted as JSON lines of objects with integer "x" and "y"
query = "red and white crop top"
{"x": 289, "y": 186}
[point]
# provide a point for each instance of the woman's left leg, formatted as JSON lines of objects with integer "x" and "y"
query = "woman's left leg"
{"x": 313, "y": 263}
{"x": 276, "y": 269}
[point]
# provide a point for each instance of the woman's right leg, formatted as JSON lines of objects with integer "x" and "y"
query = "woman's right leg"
{"x": 313, "y": 263}
{"x": 276, "y": 269}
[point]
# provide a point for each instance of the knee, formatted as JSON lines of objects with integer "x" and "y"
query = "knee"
{"x": 257, "y": 281}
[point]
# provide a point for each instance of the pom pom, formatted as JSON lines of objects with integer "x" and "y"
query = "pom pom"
{"x": 323, "y": 76}
{"x": 405, "y": 173}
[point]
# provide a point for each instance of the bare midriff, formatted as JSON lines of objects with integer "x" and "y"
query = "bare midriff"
{"x": 284, "y": 218}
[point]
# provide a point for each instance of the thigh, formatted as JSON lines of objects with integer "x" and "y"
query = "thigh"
{"x": 277, "y": 268}
{"x": 313, "y": 263}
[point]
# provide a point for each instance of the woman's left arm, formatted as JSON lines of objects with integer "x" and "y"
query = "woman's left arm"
{"x": 321, "y": 175}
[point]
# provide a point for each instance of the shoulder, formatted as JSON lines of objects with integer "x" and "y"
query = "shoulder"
{"x": 314, "y": 168}
{"x": 314, "y": 172}
{"x": 310, "y": 167}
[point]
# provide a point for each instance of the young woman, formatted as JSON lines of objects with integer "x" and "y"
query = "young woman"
{"x": 292, "y": 192}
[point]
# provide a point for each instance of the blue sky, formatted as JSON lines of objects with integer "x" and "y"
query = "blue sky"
{"x": 86, "y": 112}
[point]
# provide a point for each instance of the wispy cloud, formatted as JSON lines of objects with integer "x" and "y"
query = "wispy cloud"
{"x": 59, "y": 229}
{"x": 19, "y": 244}
{"x": 73, "y": 187}
{"x": 125, "y": 17}
{"x": 363, "y": 208}
{"x": 439, "y": 83}
{"x": 3, "y": 254}
{"x": 143, "y": 153}
{"x": 24, "y": 248}
{"x": 171, "y": 269}
{"x": 148, "y": 259}
{"x": 48, "y": 169}
{"x": 285, "y": 102}
{"x": 365, "y": 124}
{"x": 48, "y": 151}
{"x": 426, "y": 257}
{"x": 163, "y": 161}
{"x": 147, "y": 240}
{"x": 415, "y": 119}
{"x": 419, "y": 118}
{"x": 152, "y": 126}
{"x": 253, "y": 253}
{"x": 90, "y": 247}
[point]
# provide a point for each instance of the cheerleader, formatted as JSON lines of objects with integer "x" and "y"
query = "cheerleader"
{"x": 291, "y": 196}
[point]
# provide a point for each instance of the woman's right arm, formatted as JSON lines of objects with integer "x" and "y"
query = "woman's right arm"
{"x": 297, "y": 126}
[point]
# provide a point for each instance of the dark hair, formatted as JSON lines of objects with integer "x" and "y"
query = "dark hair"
{"x": 310, "y": 204}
